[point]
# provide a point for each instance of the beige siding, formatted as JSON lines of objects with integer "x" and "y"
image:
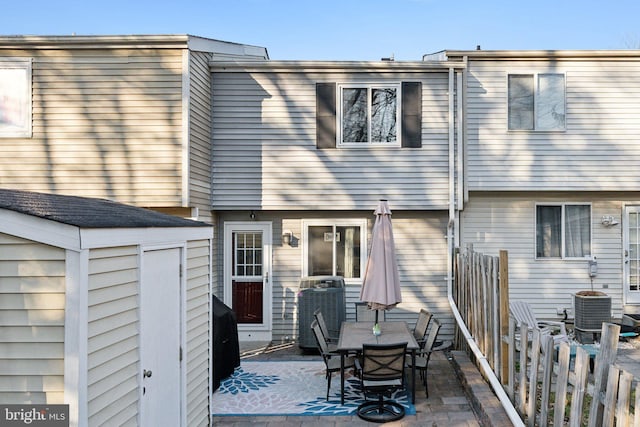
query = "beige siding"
{"x": 264, "y": 154}
{"x": 113, "y": 335}
{"x": 597, "y": 152}
{"x": 200, "y": 134}
{"x": 422, "y": 260}
{"x": 32, "y": 304}
{"x": 495, "y": 222}
{"x": 106, "y": 123}
{"x": 198, "y": 356}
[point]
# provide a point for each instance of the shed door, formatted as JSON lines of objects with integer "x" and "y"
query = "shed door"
{"x": 160, "y": 364}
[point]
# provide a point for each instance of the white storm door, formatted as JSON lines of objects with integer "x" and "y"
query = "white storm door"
{"x": 160, "y": 330}
{"x": 632, "y": 255}
{"x": 247, "y": 269}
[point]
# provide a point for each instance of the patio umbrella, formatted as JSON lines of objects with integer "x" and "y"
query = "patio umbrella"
{"x": 381, "y": 283}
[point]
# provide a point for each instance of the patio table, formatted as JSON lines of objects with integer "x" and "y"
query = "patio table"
{"x": 354, "y": 334}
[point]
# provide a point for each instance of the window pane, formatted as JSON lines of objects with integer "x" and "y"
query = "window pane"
{"x": 577, "y": 230}
{"x": 520, "y": 102}
{"x": 548, "y": 231}
{"x": 348, "y": 251}
{"x": 320, "y": 259}
{"x": 383, "y": 115}
{"x": 354, "y": 115}
{"x": 550, "y": 102}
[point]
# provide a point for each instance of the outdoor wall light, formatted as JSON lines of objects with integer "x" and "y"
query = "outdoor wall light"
{"x": 608, "y": 220}
{"x": 252, "y": 215}
{"x": 286, "y": 237}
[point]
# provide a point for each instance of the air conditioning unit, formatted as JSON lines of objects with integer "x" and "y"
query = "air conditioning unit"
{"x": 591, "y": 309}
{"x": 326, "y": 293}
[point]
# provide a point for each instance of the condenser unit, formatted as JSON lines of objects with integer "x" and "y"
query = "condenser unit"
{"x": 591, "y": 309}
{"x": 326, "y": 293}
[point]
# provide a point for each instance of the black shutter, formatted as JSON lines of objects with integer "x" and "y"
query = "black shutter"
{"x": 325, "y": 115}
{"x": 412, "y": 114}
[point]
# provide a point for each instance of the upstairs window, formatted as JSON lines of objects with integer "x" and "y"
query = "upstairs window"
{"x": 563, "y": 231}
{"x": 537, "y": 102}
{"x": 15, "y": 98}
{"x": 369, "y": 115}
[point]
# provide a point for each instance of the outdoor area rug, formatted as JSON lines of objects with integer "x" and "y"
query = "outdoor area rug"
{"x": 290, "y": 388}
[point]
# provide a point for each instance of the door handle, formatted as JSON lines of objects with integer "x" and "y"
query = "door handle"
{"x": 146, "y": 374}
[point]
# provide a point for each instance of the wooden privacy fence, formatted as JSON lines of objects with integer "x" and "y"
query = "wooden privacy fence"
{"x": 552, "y": 385}
{"x": 481, "y": 293}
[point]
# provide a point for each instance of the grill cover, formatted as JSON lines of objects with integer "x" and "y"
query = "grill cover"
{"x": 226, "y": 350}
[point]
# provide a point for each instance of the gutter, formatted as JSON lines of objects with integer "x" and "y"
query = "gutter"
{"x": 480, "y": 357}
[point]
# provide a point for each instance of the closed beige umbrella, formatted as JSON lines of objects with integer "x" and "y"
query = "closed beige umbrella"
{"x": 381, "y": 283}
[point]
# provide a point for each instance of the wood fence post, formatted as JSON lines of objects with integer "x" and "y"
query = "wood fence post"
{"x": 504, "y": 312}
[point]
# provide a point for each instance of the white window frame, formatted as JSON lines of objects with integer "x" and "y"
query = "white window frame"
{"x": 338, "y": 222}
{"x": 536, "y": 80}
{"x": 369, "y": 86}
{"x": 562, "y": 231}
{"x": 15, "y": 92}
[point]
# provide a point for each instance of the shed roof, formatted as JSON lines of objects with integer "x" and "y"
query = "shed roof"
{"x": 87, "y": 212}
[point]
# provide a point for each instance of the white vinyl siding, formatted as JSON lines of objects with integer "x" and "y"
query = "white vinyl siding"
{"x": 597, "y": 151}
{"x": 200, "y": 133}
{"x": 32, "y": 305}
{"x": 106, "y": 123}
{"x": 265, "y": 155}
{"x": 113, "y": 336}
{"x": 198, "y": 327}
{"x": 494, "y": 222}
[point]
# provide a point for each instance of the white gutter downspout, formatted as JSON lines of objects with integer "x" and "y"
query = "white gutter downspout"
{"x": 481, "y": 359}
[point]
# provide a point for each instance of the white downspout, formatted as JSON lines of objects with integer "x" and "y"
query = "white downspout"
{"x": 480, "y": 358}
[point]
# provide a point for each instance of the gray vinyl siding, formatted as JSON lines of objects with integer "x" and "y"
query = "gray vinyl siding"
{"x": 265, "y": 157}
{"x": 106, "y": 123}
{"x": 200, "y": 133}
{"x": 422, "y": 261}
{"x": 597, "y": 152}
{"x": 113, "y": 336}
{"x": 494, "y": 222}
{"x": 198, "y": 327}
{"x": 32, "y": 305}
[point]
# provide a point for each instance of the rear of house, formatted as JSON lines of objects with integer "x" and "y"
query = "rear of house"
{"x": 551, "y": 152}
{"x": 305, "y": 150}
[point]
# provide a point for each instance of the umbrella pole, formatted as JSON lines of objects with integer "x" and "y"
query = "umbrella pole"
{"x": 376, "y": 318}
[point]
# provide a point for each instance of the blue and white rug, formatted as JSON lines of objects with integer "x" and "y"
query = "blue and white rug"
{"x": 289, "y": 388}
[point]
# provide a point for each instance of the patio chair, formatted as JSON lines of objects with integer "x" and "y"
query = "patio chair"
{"x": 382, "y": 373}
{"x": 365, "y": 314}
{"x": 422, "y": 325}
{"x": 331, "y": 360}
{"x": 323, "y": 327}
{"x": 430, "y": 345}
{"x": 522, "y": 313}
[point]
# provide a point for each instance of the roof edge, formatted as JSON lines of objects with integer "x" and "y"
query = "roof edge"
{"x": 542, "y": 54}
{"x": 329, "y": 66}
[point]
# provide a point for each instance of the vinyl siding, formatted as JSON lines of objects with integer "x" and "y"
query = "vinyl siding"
{"x": 198, "y": 327}
{"x": 113, "y": 336}
{"x": 106, "y": 123}
{"x": 32, "y": 304}
{"x": 200, "y": 134}
{"x": 507, "y": 221}
{"x": 422, "y": 261}
{"x": 597, "y": 152}
{"x": 264, "y": 153}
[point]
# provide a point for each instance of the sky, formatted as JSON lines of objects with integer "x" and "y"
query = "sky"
{"x": 358, "y": 30}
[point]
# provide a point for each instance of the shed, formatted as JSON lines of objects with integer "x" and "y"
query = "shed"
{"x": 104, "y": 307}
